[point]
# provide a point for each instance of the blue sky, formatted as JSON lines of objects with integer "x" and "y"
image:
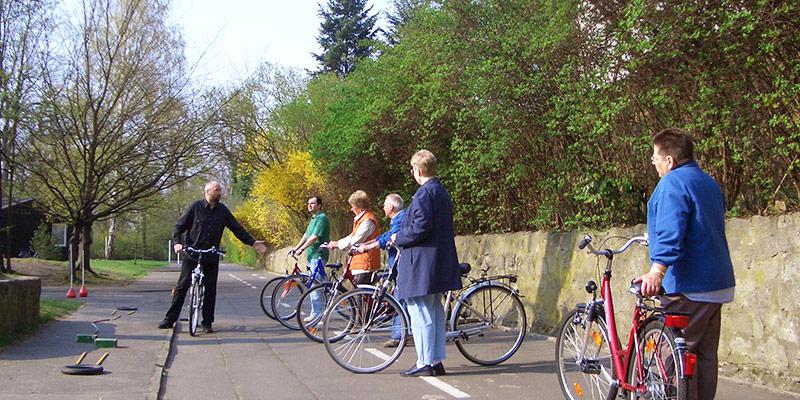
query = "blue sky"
{"x": 231, "y": 38}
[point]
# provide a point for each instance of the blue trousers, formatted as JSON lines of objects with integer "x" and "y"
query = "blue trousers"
{"x": 428, "y": 323}
{"x": 316, "y": 299}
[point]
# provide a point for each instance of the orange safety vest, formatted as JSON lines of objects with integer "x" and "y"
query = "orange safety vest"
{"x": 371, "y": 260}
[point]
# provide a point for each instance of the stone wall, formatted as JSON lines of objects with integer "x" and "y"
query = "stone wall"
{"x": 19, "y": 303}
{"x": 760, "y": 329}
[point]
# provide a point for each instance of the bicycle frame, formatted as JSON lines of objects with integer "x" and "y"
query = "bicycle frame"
{"x": 296, "y": 271}
{"x": 454, "y": 297}
{"x": 621, "y": 357}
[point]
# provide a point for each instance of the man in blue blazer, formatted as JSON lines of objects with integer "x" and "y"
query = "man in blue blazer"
{"x": 428, "y": 264}
{"x": 689, "y": 251}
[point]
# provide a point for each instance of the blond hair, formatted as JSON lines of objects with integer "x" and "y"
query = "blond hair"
{"x": 425, "y": 162}
{"x": 359, "y": 199}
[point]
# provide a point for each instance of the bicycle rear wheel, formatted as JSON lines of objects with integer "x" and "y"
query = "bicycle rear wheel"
{"x": 309, "y": 317}
{"x": 266, "y": 296}
{"x": 659, "y": 364}
{"x": 583, "y": 375}
{"x": 492, "y": 324}
{"x": 357, "y": 325}
{"x": 285, "y": 298}
{"x": 194, "y": 307}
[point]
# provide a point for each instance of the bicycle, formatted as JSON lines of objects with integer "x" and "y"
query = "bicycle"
{"x": 326, "y": 293}
{"x": 266, "y": 294}
{"x": 269, "y": 289}
{"x": 486, "y": 320}
{"x": 591, "y": 361}
{"x": 287, "y": 292}
{"x": 197, "y": 289}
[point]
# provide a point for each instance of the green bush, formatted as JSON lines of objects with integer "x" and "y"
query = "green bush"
{"x": 42, "y": 243}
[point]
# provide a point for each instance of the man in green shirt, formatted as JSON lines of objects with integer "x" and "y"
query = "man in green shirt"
{"x": 318, "y": 232}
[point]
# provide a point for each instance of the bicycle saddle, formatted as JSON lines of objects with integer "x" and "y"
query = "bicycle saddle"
{"x": 334, "y": 266}
{"x": 636, "y": 288}
{"x": 464, "y": 268}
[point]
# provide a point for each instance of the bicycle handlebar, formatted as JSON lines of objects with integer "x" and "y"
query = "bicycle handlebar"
{"x": 587, "y": 242}
{"x": 206, "y": 251}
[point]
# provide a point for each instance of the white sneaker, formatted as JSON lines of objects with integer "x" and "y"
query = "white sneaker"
{"x": 309, "y": 318}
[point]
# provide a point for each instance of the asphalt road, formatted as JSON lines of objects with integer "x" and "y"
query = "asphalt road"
{"x": 252, "y": 357}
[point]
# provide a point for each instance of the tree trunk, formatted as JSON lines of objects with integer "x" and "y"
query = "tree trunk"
{"x": 72, "y": 257}
{"x": 144, "y": 234}
{"x": 111, "y": 239}
{"x": 6, "y": 253}
{"x": 86, "y": 248}
{"x": 9, "y": 208}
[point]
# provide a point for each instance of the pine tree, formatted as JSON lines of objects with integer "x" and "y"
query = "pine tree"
{"x": 346, "y": 35}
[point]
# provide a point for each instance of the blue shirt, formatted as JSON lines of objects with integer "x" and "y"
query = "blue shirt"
{"x": 394, "y": 226}
{"x": 686, "y": 231}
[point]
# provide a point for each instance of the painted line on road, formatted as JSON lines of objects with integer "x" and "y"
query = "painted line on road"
{"x": 452, "y": 391}
{"x": 435, "y": 382}
{"x": 377, "y": 353}
{"x": 242, "y": 281}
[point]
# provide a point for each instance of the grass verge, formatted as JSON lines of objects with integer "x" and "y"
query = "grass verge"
{"x": 48, "y": 311}
{"x": 121, "y": 271}
{"x": 109, "y": 272}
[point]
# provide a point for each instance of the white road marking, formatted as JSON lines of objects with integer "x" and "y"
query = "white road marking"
{"x": 377, "y": 353}
{"x": 435, "y": 382}
{"x": 452, "y": 391}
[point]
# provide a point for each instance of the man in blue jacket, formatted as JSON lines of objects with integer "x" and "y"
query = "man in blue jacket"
{"x": 428, "y": 264}
{"x": 689, "y": 251}
{"x": 393, "y": 208}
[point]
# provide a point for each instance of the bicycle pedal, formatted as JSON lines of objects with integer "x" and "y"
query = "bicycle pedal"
{"x": 591, "y": 367}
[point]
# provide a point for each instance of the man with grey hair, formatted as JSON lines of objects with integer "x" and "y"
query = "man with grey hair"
{"x": 203, "y": 223}
{"x": 393, "y": 208}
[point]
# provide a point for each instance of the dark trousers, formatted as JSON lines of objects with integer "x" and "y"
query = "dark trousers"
{"x": 210, "y": 272}
{"x": 702, "y": 338}
{"x": 365, "y": 278}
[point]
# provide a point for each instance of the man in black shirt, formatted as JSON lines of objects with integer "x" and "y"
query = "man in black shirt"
{"x": 204, "y": 220}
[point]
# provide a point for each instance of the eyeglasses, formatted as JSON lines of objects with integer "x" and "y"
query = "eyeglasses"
{"x": 654, "y": 158}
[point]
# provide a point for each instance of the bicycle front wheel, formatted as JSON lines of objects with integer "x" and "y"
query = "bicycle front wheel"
{"x": 584, "y": 374}
{"x": 266, "y": 296}
{"x": 491, "y": 324}
{"x": 357, "y": 325}
{"x": 311, "y": 309}
{"x": 659, "y": 368}
{"x": 285, "y": 298}
{"x": 194, "y": 307}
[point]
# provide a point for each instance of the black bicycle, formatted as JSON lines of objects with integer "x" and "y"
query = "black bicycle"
{"x": 197, "y": 290}
{"x": 486, "y": 320}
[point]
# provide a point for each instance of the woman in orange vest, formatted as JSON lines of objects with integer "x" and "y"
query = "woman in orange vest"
{"x": 365, "y": 228}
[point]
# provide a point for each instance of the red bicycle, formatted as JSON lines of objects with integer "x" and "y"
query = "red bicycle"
{"x": 591, "y": 362}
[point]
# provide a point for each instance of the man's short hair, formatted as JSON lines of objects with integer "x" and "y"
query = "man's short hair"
{"x": 211, "y": 184}
{"x": 675, "y": 142}
{"x": 359, "y": 199}
{"x": 425, "y": 162}
{"x": 317, "y": 199}
{"x": 395, "y": 201}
